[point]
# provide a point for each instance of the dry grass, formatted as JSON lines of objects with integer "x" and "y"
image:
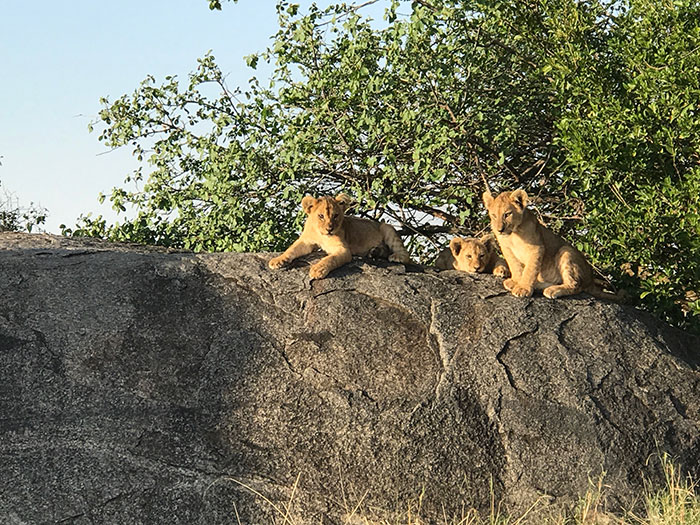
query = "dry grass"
{"x": 678, "y": 503}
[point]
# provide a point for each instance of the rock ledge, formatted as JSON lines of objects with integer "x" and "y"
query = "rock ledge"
{"x": 147, "y": 386}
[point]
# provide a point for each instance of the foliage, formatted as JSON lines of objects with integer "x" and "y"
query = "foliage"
{"x": 589, "y": 105}
{"x": 631, "y": 133}
{"x": 14, "y": 217}
{"x": 216, "y": 4}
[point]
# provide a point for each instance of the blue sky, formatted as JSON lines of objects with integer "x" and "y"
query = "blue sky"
{"x": 59, "y": 58}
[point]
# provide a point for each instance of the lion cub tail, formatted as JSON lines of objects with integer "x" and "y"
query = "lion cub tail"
{"x": 596, "y": 290}
{"x": 396, "y": 247}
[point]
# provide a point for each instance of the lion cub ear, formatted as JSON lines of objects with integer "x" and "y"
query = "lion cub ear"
{"x": 343, "y": 200}
{"x": 489, "y": 241}
{"x": 456, "y": 246}
{"x": 487, "y": 198}
{"x": 519, "y": 198}
{"x": 307, "y": 203}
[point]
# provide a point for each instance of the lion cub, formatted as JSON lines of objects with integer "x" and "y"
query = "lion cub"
{"x": 340, "y": 236}
{"x": 537, "y": 258}
{"x": 473, "y": 256}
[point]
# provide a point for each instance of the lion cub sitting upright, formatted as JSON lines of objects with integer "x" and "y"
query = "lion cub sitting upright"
{"x": 340, "y": 236}
{"x": 536, "y": 256}
{"x": 473, "y": 256}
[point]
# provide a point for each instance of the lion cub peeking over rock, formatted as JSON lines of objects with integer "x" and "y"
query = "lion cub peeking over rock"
{"x": 537, "y": 258}
{"x": 340, "y": 236}
{"x": 473, "y": 256}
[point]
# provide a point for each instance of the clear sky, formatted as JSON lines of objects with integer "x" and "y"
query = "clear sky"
{"x": 58, "y": 58}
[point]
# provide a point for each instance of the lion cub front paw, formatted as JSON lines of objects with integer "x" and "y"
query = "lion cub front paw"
{"x": 501, "y": 271}
{"x": 551, "y": 292}
{"x": 521, "y": 291}
{"x": 318, "y": 271}
{"x": 277, "y": 262}
{"x": 509, "y": 284}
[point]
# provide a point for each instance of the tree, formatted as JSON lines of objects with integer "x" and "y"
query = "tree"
{"x": 14, "y": 217}
{"x": 590, "y": 106}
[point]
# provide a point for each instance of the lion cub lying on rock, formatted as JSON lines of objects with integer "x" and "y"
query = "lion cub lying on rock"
{"x": 340, "y": 236}
{"x": 473, "y": 256}
{"x": 537, "y": 258}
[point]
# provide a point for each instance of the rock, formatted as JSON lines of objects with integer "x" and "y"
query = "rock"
{"x": 150, "y": 386}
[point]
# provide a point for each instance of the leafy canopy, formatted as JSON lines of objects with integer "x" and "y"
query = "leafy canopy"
{"x": 591, "y": 106}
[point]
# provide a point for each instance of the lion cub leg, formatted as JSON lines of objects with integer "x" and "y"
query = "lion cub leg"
{"x": 515, "y": 268}
{"x": 525, "y": 285}
{"x": 296, "y": 250}
{"x": 329, "y": 263}
{"x": 393, "y": 241}
{"x": 569, "y": 270}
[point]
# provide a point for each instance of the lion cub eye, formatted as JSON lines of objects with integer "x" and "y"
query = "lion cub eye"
{"x": 508, "y": 214}
{"x": 469, "y": 256}
{"x": 320, "y": 216}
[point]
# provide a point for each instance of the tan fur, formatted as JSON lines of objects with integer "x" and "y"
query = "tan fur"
{"x": 340, "y": 236}
{"x": 537, "y": 258}
{"x": 473, "y": 256}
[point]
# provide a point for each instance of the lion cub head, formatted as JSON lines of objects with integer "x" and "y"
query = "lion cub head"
{"x": 325, "y": 214}
{"x": 506, "y": 210}
{"x": 473, "y": 255}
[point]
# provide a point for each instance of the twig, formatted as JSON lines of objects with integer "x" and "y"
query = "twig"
{"x": 618, "y": 195}
{"x": 439, "y": 214}
{"x": 426, "y": 231}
